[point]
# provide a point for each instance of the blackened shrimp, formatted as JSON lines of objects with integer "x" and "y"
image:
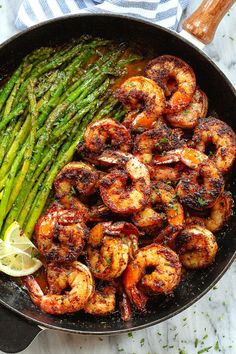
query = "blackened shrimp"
{"x": 196, "y": 194}
{"x": 156, "y": 141}
{"x": 107, "y": 131}
{"x": 217, "y": 132}
{"x": 126, "y": 190}
{"x": 79, "y": 175}
{"x": 188, "y": 118}
{"x": 60, "y": 234}
{"x": 153, "y": 222}
{"x": 61, "y": 276}
{"x": 102, "y": 302}
{"x": 110, "y": 246}
{"x": 167, "y": 67}
{"x": 220, "y": 212}
{"x": 162, "y": 280}
{"x": 144, "y": 99}
{"x": 196, "y": 247}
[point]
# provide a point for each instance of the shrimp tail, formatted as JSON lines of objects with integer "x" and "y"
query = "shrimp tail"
{"x": 34, "y": 290}
{"x": 125, "y": 308}
{"x": 138, "y": 298}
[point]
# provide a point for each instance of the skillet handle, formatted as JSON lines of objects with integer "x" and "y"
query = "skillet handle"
{"x": 16, "y": 333}
{"x": 205, "y": 20}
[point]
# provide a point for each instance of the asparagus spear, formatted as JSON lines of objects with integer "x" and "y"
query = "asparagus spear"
{"x": 9, "y": 185}
{"x": 9, "y": 86}
{"x": 29, "y": 147}
{"x": 23, "y": 133}
{"x": 9, "y": 136}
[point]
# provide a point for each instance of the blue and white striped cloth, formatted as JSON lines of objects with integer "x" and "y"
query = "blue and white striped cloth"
{"x": 166, "y": 13}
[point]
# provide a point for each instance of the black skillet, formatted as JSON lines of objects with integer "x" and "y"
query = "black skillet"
{"x": 19, "y": 318}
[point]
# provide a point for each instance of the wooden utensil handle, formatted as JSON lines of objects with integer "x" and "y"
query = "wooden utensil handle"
{"x": 205, "y": 20}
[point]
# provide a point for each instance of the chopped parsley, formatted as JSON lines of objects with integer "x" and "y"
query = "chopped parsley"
{"x": 130, "y": 334}
{"x": 221, "y": 317}
{"x": 164, "y": 141}
{"x": 181, "y": 351}
{"x": 204, "y": 350}
{"x": 108, "y": 261}
{"x": 196, "y": 343}
{"x": 73, "y": 190}
{"x": 201, "y": 201}
{"x": 217, "y": 348}
{"x": 142, "y": 342}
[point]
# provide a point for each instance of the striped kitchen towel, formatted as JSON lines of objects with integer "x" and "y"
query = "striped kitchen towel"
{"x": 166, "y": 13}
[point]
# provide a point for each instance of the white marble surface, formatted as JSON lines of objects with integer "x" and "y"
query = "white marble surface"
{"x": 211, "y": 322}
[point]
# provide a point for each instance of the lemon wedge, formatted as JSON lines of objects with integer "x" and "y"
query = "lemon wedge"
{"x": 18, "y": 253}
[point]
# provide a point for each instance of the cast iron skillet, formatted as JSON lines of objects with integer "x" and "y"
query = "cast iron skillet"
{"x": 16, "y": 332}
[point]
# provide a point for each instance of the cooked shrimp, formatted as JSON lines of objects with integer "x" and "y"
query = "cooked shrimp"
{"x": 217, "y": 132}
{"x": 76, "y": 276}
{"x": 144, "y": 99}
{"x": 154, "y": 141}
{"x": 196, "y": 195}
{"x": 165, "y": 195}
{"x": 162, "y": 280}
{"x": 220, "y": 212}
{"x": 60, "y": 234}
{"x": 196, "y": 247}
{"x": 121, "y": 197}
{"x": 107, "y": 131}
{"x": 188, "y": 118}
{"x": 167, "y": 67}
{"x": 102, "y": 302}
{"x": 110, "y": 246}
{"x": 76, "y": 174}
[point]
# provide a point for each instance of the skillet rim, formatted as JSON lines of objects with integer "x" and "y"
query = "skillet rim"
{"x": 231, "y": 87}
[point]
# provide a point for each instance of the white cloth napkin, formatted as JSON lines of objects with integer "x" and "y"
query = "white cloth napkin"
{"x": 166, "y": 13}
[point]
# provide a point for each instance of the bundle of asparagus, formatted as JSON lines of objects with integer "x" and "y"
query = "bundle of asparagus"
{"x": 45, "y": 107}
